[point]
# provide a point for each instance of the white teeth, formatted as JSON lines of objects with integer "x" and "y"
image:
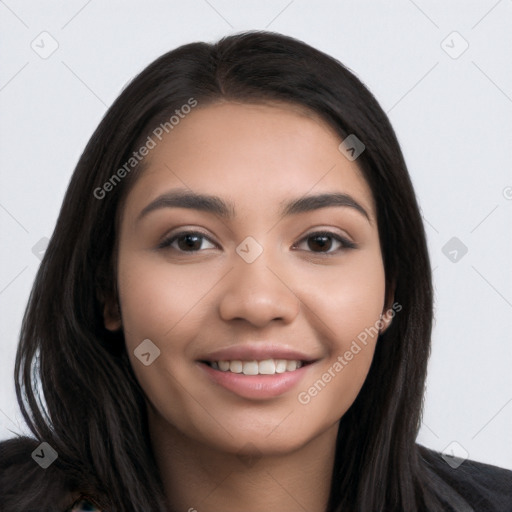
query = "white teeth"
{"x": 236, "y": 366}
{"x": 250, "y": 368}
{"x": 265, "y": 367}
{"x": 224, "y": 366}
{"x": 291, "y": 365}
{"x": 280, "y": 365}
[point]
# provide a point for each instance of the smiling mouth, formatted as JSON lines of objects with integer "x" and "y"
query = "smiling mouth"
{"x": 253, "y": 367}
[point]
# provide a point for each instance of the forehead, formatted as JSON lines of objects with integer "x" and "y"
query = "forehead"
{"x": 255, "y": 155}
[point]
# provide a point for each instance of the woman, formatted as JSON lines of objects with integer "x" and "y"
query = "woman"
{"x": 234, "y": 311}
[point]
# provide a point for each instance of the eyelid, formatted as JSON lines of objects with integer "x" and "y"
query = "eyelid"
{"x": 343, "y": 240}
{"x": 170, "y": 238}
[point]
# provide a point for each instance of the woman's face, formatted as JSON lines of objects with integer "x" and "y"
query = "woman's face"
{"x": 243, "y": 279}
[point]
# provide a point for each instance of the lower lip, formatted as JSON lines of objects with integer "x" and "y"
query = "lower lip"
{"x": 256, "y": 387}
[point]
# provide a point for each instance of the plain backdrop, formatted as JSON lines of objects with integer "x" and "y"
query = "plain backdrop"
{"x": 441, "y": 70}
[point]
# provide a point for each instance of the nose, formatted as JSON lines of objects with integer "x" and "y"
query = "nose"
{"x": 258, "y": 292}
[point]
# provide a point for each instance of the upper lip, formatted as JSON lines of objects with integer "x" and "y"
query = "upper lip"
{"x": 257, "y": 352}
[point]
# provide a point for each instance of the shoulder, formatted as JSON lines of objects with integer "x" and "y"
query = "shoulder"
{"x": 482, "y": 486}
{"x": 83, "y": 505}
{"x": 28, "y": 486}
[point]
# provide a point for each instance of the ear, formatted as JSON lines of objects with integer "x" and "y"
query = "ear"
{"x": 112, "y": 315}
{"x": 389, "y": 311}
{"x": 385, "y": 320}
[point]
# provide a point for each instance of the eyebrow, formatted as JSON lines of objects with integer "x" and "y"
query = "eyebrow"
{"x": 182, "y": 198}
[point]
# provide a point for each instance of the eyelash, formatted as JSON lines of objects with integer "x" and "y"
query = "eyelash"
{"x": 346, "y": 244}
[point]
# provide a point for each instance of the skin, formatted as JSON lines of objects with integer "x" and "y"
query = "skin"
{"x": 217, "y": 451}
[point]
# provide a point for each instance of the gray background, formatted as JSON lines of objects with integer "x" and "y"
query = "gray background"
{"x": 451, "y": 107}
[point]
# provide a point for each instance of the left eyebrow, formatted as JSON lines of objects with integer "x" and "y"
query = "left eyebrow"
{"x": 309, "y": 203}
{"x": 183, "y": 198}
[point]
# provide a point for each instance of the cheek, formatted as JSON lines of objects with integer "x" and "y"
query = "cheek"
{"x": 348, "y": 302}
{"x": 347, "y": 298}
{"x": 163, "y": 303}
{"x": 159, "y": 299}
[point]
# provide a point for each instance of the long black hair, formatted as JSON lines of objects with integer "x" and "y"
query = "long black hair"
{"x": 94, "y": 414}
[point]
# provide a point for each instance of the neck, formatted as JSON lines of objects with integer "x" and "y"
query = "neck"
{"x": 201, "y": 478}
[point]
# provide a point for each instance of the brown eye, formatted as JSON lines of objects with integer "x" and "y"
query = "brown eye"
{"x": 323, "y": 241}
{"x": 320, "y": 242}
{"x": 186, "y": 241}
